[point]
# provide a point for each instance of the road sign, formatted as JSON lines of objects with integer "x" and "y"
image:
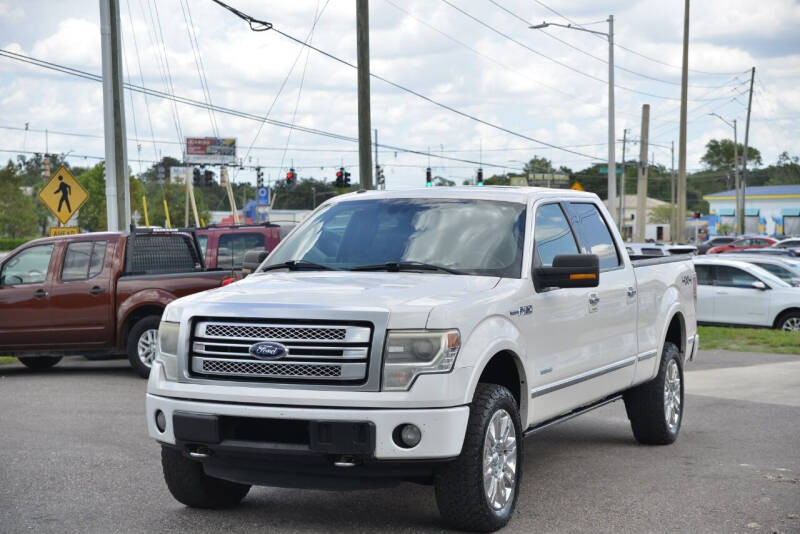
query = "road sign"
{"x": 577, "y": 187}
{"x": 56, "y": 231}
{"x": 63, "y": 195}
{"x": 263, "y": 195}
{"x": 604, "y": 170}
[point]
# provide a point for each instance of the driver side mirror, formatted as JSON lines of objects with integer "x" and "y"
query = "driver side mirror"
{"x": 759, "y": 285}
{"x": 569, "y": 270}
{"x": 252, "y": 259}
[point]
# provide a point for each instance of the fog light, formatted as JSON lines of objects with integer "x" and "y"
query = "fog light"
{"x": 407, "y": 435}
{"x": 161, "y": 421}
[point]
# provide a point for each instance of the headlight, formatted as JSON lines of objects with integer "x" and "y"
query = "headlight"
{"x": 168, "y": 337}
{"x": 410, "y": 353}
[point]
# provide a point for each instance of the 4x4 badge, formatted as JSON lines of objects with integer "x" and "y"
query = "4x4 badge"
{"x": 523, "y": 310}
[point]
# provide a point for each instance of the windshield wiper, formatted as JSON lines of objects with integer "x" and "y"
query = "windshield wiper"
{"x": 396, "y": 266}
{"x": 296, "y": 265}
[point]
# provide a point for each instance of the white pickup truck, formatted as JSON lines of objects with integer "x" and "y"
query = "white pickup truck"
{"x": 419, "y": 336}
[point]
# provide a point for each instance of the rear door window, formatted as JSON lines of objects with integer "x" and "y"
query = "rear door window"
{"x": 704, "y": 277}
{"x": 232, "y": 247}
{"x": 594, "y": 235}
{"x": 552, "y": 235}
{"x": 83, "y": 260}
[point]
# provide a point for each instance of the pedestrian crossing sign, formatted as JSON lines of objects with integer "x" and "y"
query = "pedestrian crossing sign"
{"x": 63, "y": 195}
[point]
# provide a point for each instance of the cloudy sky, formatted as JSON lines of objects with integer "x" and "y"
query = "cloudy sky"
{"x": 478, "y": 57}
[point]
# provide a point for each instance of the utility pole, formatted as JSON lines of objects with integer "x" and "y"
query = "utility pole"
{"x": 746, "y": 139}
{"x": 364, "y": 128}
{"x": 612, "y": 159}
{"x": 672, "y": 222}
{"x": 622, "y": 186}
{"x": 118, "y": 204}
{"x": 681, "y": 215}
{"x": 377, "y": 167}
{"x": 641, "y": 185}
{"x": 738, "y": 179}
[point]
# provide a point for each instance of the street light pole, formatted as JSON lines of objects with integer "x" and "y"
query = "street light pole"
{"x": 740, "y": 216}
{"x": 612, "y": 161}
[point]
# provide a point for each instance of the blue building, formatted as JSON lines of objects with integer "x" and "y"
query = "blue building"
{"x": 769, "y": 209}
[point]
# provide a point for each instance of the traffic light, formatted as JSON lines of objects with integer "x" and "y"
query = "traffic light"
{"x": 340, "y": 177}
{"x": 346, "y": 179}
{"x": 291, "y": 178}
{"x": 480, "y": 176}
{"x": 259, "y": 178}
{"x": 380, "y": 180}
{"x": 428, "y": 180}
{"x": 196, "y": 177}
{"x": 208, "y": 178}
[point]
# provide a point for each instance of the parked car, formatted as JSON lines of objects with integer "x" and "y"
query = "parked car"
{"x": 704, "y": 247}
{"x": 734, "y": 292}
{"x": 96, "y": 293}
{"x": 225, "y": 246}
{"x": 742, "y": 243}
{"x": 785, "y": 268}
{"x": 790, "y": 243}
{"x": 769, "y": 251}
{"x": 419, "y": 335}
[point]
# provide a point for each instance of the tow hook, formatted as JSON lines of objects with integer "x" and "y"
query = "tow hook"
{"x": 200, "y": 453}
{"x": 345, "y": 461}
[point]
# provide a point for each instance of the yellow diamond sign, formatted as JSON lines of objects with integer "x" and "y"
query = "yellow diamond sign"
{"x": 63, "y": 195}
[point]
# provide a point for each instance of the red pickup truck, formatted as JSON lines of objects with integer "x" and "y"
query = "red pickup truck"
{"x": 225, "y": 246}
{"x": 96, "y": 294}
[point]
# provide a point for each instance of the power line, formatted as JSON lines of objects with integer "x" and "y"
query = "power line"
{"x": 229, "y": 111}
{"x": 201, "y": 71}
{"x": 554, "y": 60}
{"x": 141, "y": 78}
{"x": 428, "y": 99}
{"x": 634, "y": 51}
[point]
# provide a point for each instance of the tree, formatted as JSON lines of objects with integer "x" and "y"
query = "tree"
{"x": 92, "y": 215}
{"x": 538, "y": 165}
{"x": 305, "y": 195}
{"x": 660, "y": 214}
{"x": 439, "y": 181}
{"x": 17, "y": 209}
{"x": 719, "y": 155}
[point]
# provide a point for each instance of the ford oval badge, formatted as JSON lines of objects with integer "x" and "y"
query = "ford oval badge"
{"x": 268, "y": 350}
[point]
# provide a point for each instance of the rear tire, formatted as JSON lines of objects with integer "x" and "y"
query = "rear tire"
{"x": 39, "y": 363}
{"x": 143, "y": 344}
{"x": 488, "y": 459}
{"x": 655, "y": 409}
{"x": 190, "y": 485}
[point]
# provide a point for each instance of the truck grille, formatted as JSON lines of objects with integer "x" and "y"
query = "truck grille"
{"x": 220, "y": 349}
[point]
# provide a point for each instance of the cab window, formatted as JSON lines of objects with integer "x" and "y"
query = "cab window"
{"x": 595, "y": 237}
{"x": 552, "y": 235}
{"x": 29, "y": 266}
{"x": 83, "y": 260}
{"x": 232, "y": 247}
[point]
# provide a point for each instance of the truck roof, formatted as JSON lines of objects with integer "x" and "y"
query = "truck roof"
{"x": 494, "y": 192}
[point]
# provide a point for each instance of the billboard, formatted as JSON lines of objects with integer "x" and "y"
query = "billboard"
{"x": 210, "y": 150}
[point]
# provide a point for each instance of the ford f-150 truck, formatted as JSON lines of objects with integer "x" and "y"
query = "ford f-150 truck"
{"x": 419, "y": 336}
{"x": 96, "y": 294}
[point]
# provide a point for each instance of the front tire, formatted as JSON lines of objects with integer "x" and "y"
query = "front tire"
{"x": 190, "y": 485}
{"x": 478, "y": 491}
{"x": 655, "y": 409}
{"x": 39, "y": 363}
{"x": 789, "y": 322}
{"x": 143, "y": 344}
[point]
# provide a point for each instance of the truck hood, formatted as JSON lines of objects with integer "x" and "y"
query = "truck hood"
{"x": 407, "y": 297}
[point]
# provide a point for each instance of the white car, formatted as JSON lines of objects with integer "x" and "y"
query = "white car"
{"x": 735, "y": 292}
{"x": 785, "y": 268}
{"x": 419, "y": 335}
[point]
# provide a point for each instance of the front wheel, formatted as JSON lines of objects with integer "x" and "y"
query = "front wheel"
{"x": 189, "y": 484}
{"x": 789, "y": 322}
{"x": 655, "y": 409}
{"x": 39, "y": 363}
{"x": 143, "y": 344}
{"x": 478, "y": 491}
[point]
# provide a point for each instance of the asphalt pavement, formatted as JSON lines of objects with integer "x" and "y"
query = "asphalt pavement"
{"x": 74, "y": 456}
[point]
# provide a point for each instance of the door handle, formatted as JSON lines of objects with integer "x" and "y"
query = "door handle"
{"x": 96, "y": 290}
{"x": 40, "y": 294}
{"x": 631, "y": 291}
{"x": 594, "y": 300}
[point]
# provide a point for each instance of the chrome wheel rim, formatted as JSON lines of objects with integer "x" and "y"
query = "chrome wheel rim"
{"x": 148, "y": 343}
{"x": 792, "y": 324}
{"x": 672, "y": 396}
{"x": 499, "y": 460}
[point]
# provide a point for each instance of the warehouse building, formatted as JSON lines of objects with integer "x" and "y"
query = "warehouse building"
{"x": 769, "y": 209}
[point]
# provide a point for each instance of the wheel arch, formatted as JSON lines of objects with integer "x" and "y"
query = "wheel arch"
{"x": 779, "y": 316}
{"x": 506, "y": 369}
{"x": 134, "y": 316}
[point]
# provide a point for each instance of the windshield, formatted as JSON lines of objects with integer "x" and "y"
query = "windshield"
{"x": 480, "y": 237}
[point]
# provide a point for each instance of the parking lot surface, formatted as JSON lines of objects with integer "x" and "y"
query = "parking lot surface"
{"x": 74, "y": 456}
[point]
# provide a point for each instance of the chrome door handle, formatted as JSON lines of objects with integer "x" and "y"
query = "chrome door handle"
{"x": 631, "y": 292}
{"x": 594, "y": 300}
{"x": 40, "y": 293}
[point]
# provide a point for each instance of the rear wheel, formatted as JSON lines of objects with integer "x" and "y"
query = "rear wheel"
{"x": 478, "y": 491}
{"x": 39, "y": 363}
{"x": 655, "y": 409}
{"x": 789, "y": 322}
{"x": 189, "y": 484}
{"x": 143, "y": 344}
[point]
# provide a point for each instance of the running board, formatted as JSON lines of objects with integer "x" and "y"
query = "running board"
{"x": 574, "y": 413}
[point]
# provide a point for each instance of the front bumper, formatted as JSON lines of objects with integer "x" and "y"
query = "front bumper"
{"x": 442, "y": 429}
